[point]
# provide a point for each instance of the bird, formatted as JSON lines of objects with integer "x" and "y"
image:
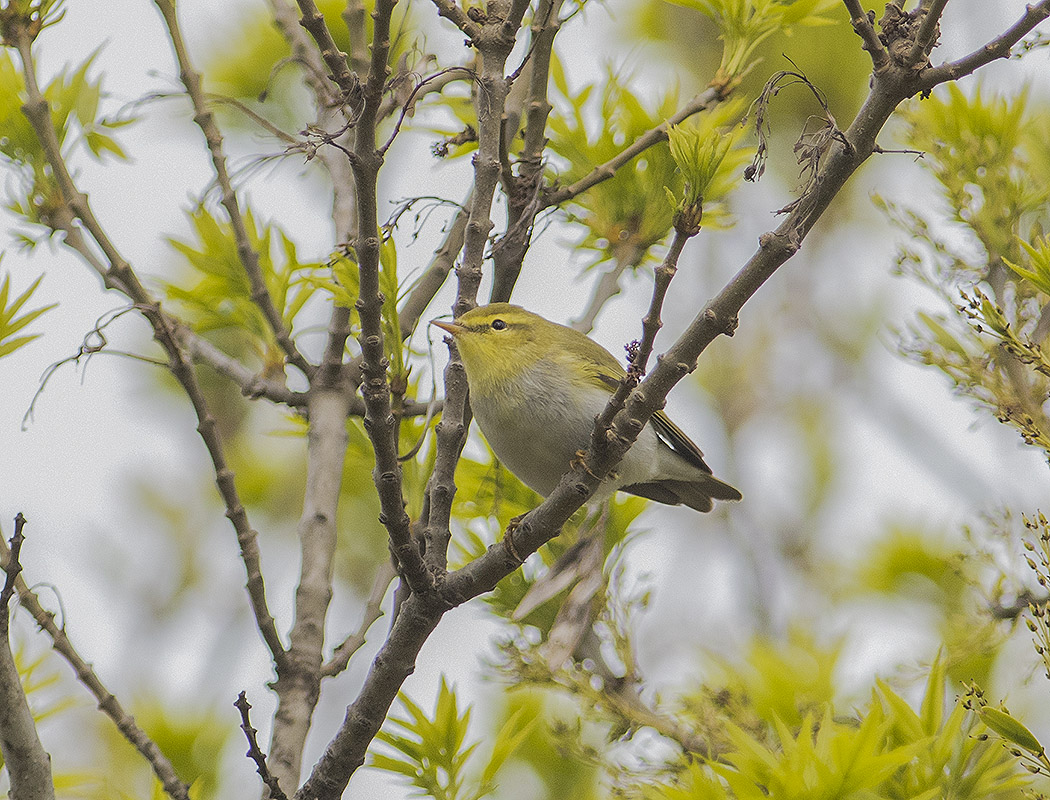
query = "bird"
{"x": 535, "y": 388}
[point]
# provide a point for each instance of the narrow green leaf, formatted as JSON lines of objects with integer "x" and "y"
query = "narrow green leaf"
{"x": 11, "y": 345}
{"x": 1010, "y": 729}
{"x": 932, "y": 708}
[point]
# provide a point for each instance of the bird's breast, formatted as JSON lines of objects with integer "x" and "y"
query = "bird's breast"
{"x": 536, "y": 426}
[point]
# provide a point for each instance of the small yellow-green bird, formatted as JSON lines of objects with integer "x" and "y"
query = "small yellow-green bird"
{"x": 535, "y": 389}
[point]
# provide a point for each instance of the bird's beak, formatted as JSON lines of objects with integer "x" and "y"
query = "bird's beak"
{"x": 450, "y": 327}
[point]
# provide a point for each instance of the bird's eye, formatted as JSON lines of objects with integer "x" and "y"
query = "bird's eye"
{"x": 498, "y": 325}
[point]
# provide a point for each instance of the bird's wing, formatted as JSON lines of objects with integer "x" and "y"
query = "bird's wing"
{"x": 668, "y": 433}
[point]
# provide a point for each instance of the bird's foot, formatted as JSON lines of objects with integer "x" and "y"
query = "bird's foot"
{"x": 508, "y": 538}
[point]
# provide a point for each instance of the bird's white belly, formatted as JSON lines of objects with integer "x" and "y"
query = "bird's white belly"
{"x": 538, "y": 439}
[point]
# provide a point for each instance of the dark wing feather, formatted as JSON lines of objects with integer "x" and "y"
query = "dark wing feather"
{"x": 669, "y": 433}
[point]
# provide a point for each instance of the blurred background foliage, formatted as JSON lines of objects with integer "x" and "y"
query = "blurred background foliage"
{"x": 803, "y": 568}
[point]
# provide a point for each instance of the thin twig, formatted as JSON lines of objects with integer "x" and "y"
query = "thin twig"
{"x": 247, "y": 254}
{"x": 999, "y": 47}
{"x": 118, "y": 274}
{"x": 26, "y": 762}
{"x": 107, "y": 702}
{"x": 705, "y": 100}
{"x": 373, "y": 611}
{"x": 255, "y": 753}
{"x": 926, "y": 38}
{"x": 409, "y": 103}
{"x": 862, "y": 24}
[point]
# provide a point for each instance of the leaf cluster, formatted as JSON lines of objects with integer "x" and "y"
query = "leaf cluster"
{"x": 10, "y": 324}
{"x": 431, "y": 750}
{"x": 626, "y": 215}
{"x": 73, "y": 99}
{"x": 217, "y": 296}
{"x": 745, "y": 24}
{"x": 887, "y": 750}
{"x": 709, "y": 156}
{"x": 987, "y": 156}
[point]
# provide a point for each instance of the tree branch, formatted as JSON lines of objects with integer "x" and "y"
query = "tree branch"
{"x": 254, "y": 752}
{"x": 107, "y": 702}
{"x": 494, "y": 48}
{"x": 706, "y": 99}
{"x": 999, "y": 47}
{"x": 119, "y": 275}
{"x": 298, "y": 682}
{"x": 373, "y": 611}
{"x": 451, "y": 11}
{"x": 306, "y": 55}
{"x": 334, "y": 58}
{"x": 862, "y": 24}
{"x": 27, "y": 763}
{"x": 395, "y": 661}
{"x": 248, "y": 256}
{"x": 523, "y": 190}
{"x": 929, "y": 28}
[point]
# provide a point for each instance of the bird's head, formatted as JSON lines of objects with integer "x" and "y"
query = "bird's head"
{"x": 499, "y": 342}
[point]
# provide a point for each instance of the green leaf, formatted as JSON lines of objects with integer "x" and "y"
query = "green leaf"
{"x": 932, "y": 708}
{"x": 1010, "y": 729}
{"x": 11, "y": 324}
{"x": 509, "y": 738}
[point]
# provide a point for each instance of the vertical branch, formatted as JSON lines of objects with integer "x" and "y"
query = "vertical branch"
{"x": 249, "y": 258}
{"x": 27, "y": 762}
{"x": 929, "y": 29}
{"x": 392, "y": 666}
{"x": 523, "y": 201}
{"x": 380, "y": 422}
{"x": 298, "y": 685}
{"x": 494, "y": 44}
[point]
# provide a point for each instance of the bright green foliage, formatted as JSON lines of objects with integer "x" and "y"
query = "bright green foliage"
{"x": 433, "y": 754}
{"x": 628, "y": 214}
{"x": 1038, "y": 271}
{"x": 786, "y": 681}
{"x": 982, "y": 152}
{"x": 391, "y": 323}
{"x": 220, "y": 299}
{"x": 73, "y": 99}
{"x": 709, "y": 157}
{"x": 10, "y": 324}
{"x": 908, "y": 563}
{"x": 988, "y": 156}
{"x": 890, "y": 751}
{"x": 745, "y": 24}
